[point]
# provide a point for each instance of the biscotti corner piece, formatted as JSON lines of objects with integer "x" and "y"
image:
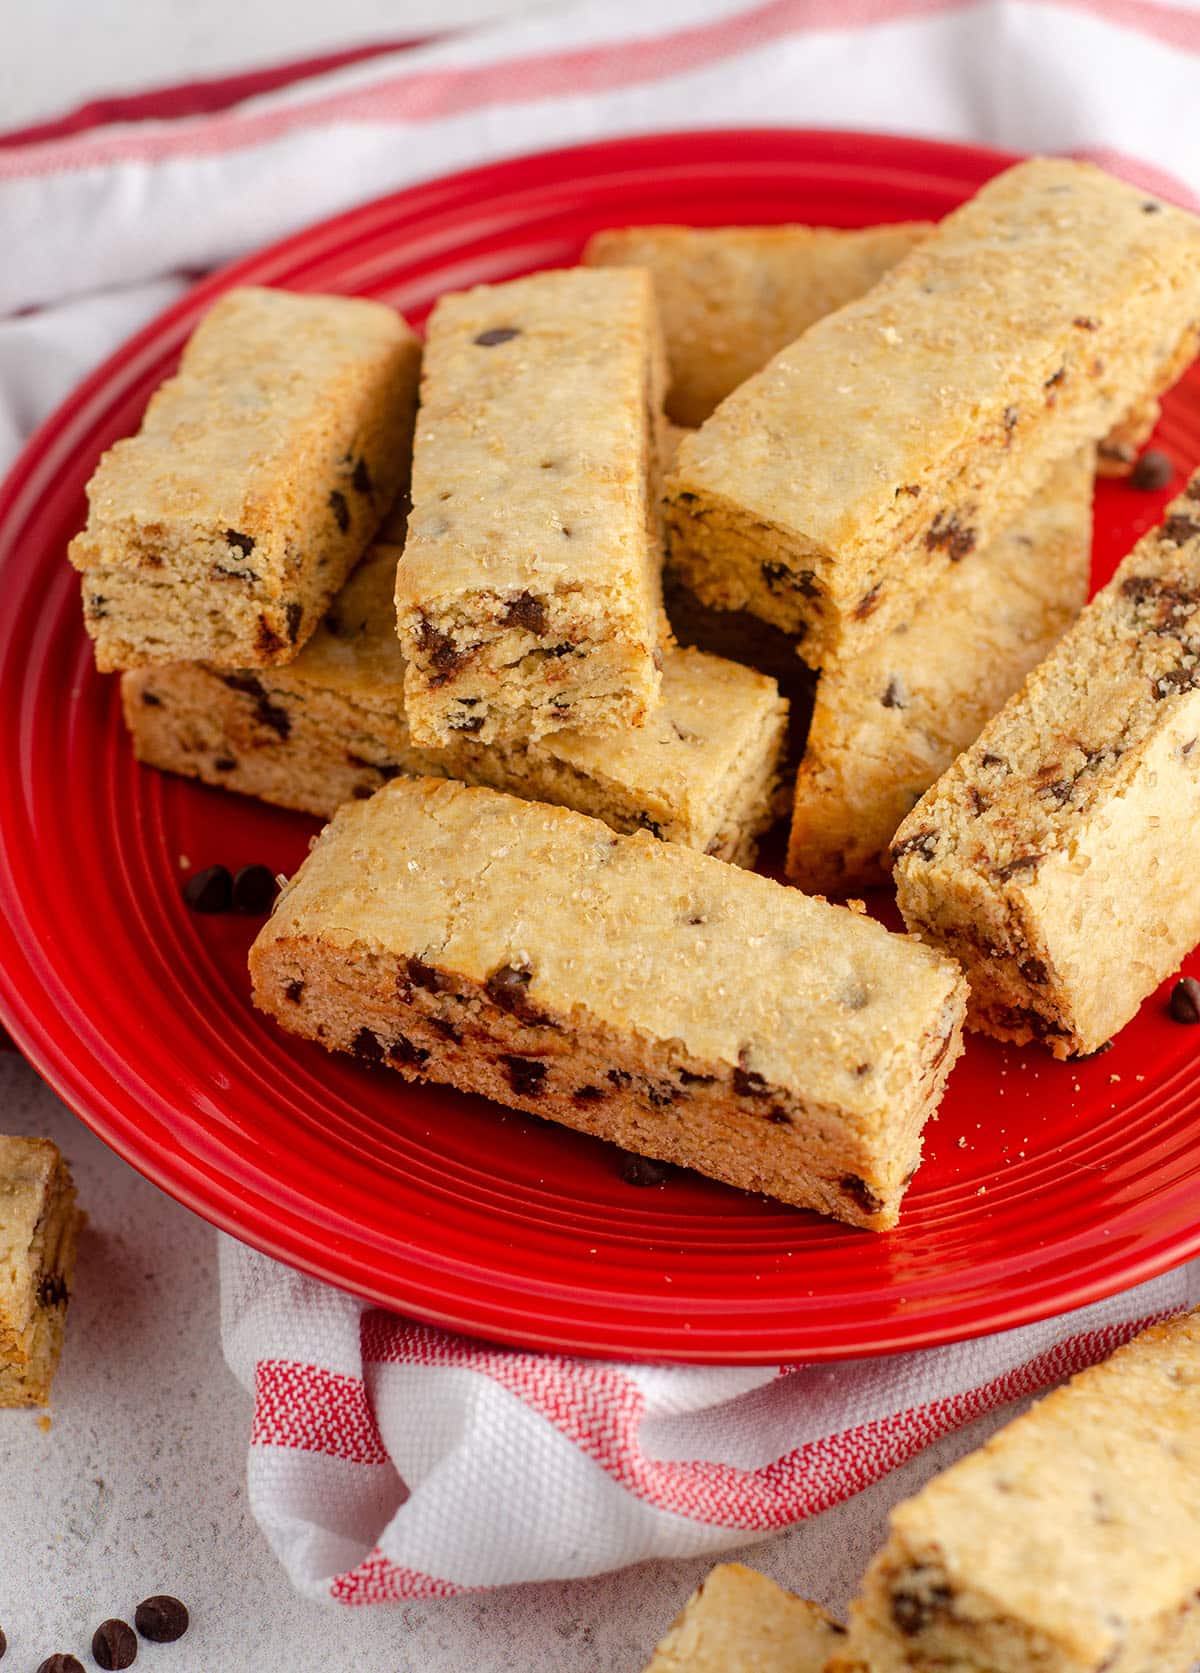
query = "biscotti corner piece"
{"x": 1076, "y": 808}
{"x": 630, "y": 988}
{"x": 739, "y": 1621}
{"x": 221, "y": 530}
{"x": 897, "y": 436}
{"x": 529, "y": 596}
{"x": 39, "y": 1225}
{"x": 731, "y": 297}
{"x": 1070, "y": 1542}
{"x": 888, "y": 721}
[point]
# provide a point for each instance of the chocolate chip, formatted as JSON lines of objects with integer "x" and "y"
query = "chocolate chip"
{"x": 210, "y": 890}
{"x": 51, "y": 1289}
{"x": 1055, "y": 380}
{"x": 402, "y": 1050}
{"x": 114, "y": 1645}
{"x": 527, "y": 612}
{"x": 1085, "y": 322}
{"x": 690, "y": 1079}
{"x": 1107, "y": 1045}
{"x": 294, "y": 991}
{"x": 1153, "y": 471}
{"x": 1151, "y": 208}
{"x": 161, "y": 1619}
{"x": 867, "y": 603}
{"x": 589, "y": 1094}
{"x": 915, "y": 1610}
{"x": 525, "y": 1075}
{"x": 60, "y": 1663}
{"x": 3, "y": 1642}
{"x": 497, "y": 334}
{"x": 254, "y": 890}
{"x": 1034, "y": 971}
{"x": 1185, "y": 1001}
{"x": 989, "y": 760}
{"x": 620, "y": 1077}
{"x": 266, "y": 640}
{"x": 152, "y": 700}
{"x": 896, "y": 695}
{"x": 223, "y": 764}
{"x": 1011, "y": 415}
{"x": 360, "y": 481}
{"x": 243, "y": 542}
{"x": 96, "y": 607}
{"x": 913, "y": 488}
{"x": 1176, "y": 680}
{"x": 779, "y": 576}
{"x": 922, "y": 844}
{"x": 860, "y": 1193}
{"x": 645, "y": 823}
{"x": 644, "y": 1170}
{"x": 978, "y": 803}
{"x": 1014, "y": 867}
{"x": 440, "y": 647}
{"x": 948, "y": 535}
{"x": 293, "y": 616}
{"x": 508, "y": 988}
{"x": 365, "y": 1045}
{"x": 748, "y": 1083}
{"x": 1180, "y": 529}
{"x": 1059, "y": 791}
{"x": 426, "y": 976}
{"x": 341, "y": 510}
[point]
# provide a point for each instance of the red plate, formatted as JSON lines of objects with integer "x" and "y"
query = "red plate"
{"x": 1046, "y": 1185}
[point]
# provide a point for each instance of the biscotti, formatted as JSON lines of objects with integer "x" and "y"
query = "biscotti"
{"x": 39, "y": 1225}
{"x": 1055, "y": 859}
{"x": 897, "y": 436}
{"x": 731, "y": 297}
{"x": 632, "y": 989}
{"x": 1069, "y": 1543}
{"x": 886, "y": 723}
{"x": 529, "y": 595}
{"x": 739, "y": 1621}
{"x": 221, "y": 531}
{"x": 704, "y": 770}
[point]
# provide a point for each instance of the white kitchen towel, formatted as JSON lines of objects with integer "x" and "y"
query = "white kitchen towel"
{"x": 389, "y": 1459}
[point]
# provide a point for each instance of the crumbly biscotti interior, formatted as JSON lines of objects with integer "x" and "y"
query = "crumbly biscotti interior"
{"x": 1069, "y": 1542}
{"x": 630, "y": 988}
{"x": 739, "y": 1621}
{"x": 890, "y": 720}
{"x": 1074, "y": 809}
{"x": 38, "y": 1230}
{"x": 223, "y": 528}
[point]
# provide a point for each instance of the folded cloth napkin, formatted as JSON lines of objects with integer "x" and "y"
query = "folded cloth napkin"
{"x": 389, "y": 1459}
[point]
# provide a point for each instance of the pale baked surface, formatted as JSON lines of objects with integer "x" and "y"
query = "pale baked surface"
{"x": 731, "y": 297}
{"x": 633, "y": 989}
{"x": 221, "y": 531}
{"x": 39, "y": 1224}
{"x": 1069, "y": 1543}
{"x": 896, "y": 436}
{"x": 704, "y": 770}
{"x": 886, "y": 723}
{"x": 529, "y": 595}
{"x": 1076, "y": 808}
{"x": 739, "y": 1621}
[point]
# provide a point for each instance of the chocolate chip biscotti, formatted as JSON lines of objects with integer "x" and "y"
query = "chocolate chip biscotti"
{"x": 704, "y": 770}
{"x": 1055, "y": 859}
{"x": 739, "y": 1621}
{"x": 1069, "y": 1543}
{"x": 39, "y": 1224}
{"x": 731, "y": 297}
{"x": 529, "y": 595}
{"x": 886, "y": 723}
{"x": 632, "y": 989}
{"x": 221, "y": 531}
{"x": 897, "y": 436}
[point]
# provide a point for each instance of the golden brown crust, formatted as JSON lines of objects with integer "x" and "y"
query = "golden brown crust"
{"x": 739, "y": 1621}
{"x": 39, "y": 1226}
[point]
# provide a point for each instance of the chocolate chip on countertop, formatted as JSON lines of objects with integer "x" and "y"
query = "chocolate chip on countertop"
{"x": 254, "y": 890}
{"x": 59, "y": 1663}
{"x": 210, "y": 890}
{"x": 644, "y": 1170}
{"x": 114, "y": 1645}
{"x": 3, "y": 1642}
{"x": 1153, "y": 471}
{"x": 1185, "y": 1001}
{"x": 161, "y": 1619}
{"x": 498, "y": 334}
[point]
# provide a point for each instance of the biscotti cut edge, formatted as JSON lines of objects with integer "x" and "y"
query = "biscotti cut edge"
{"x": 39, "y": 1229}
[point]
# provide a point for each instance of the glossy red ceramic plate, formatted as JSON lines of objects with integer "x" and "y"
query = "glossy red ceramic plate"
{"x": 1045, "y": 1186}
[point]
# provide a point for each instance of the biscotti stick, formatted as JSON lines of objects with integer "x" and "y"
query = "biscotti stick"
{"x": 224, "y": 527}
{"x": 1069, "y": 1543}
{"x": 39, "y": 1224}
{"x": 1056, "y": 857}
{"x": 739, "y": 1621}
{"x": 898, "y": 435}
{"x": 731, "y": 297}
{"x": 630, "y": 988}
{"x": 886, "y": 723}
{"x": 704, "y": 770}
{"x": 529, "y": 595}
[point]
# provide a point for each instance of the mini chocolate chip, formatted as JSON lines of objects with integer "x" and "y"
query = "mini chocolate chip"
{"x": 1011, "y": 415}
{"x": 978, "y": 802}
{"x": 1022, "y": 862}
{"x": 527, "y": 612}
{"x": 293, "y": 616}
{"x": 243, "y": 542}
{"x": 913, "y": 1611}
{"x": 59, "y": 1663}
{"x": 1185, "y": 1001}
{"x": 152, "y": 700}
{"x": 426, "y": 976}
{"x": 360, "y": 480}
{"x": 867, "y": 603}
{"x": 1056, "y": 378}
{"x": 293, "y": 991}
{"x": 161, "y": 1619}
{"x": 210, "y": 890}
{"x": 589, "y": 1094}
{"x": 1153, "y": 471}
{"x": 223, "y": 764}
{"x": 922, "y": 844}
{"x": 114, "y": 1645}
{"x": 1180, "y": 529}
{"x": 341, "y": 510}
{"x": 448, "y": 1031}
{"x": 896, "y": 695}
{"x": 266, "y": 640}
{"x": 947, "y": 534}
{"x": 1085, "y": 322}
{"x": 1151, "y": 208}
{"x": 96, "y": 607}
{"x": 51, "y": 1289}
{"x": 778, "y": 1116}
{"x": 748, "y": 1083}
{"x": 402, "y": 1050}
{"x": 690, "y": 1079}
{"x": 254, "y": 890}
{"x": 365, "y": 1045}
{"x": 525, "y": 1075}
{"x": 779, "y": 576}
{"x": 1060, "y": 790}
{"x": 620, "y": 1077}
{"x": 913, "y": 488}
{"x": 645, "y": 823}
{"x": 497, "y": 334}
{"x": 644, "y": 1170}
{"x": 467, "y": 723}
{"x": 989, "y": 760}
{"x": 506, "y": 987}
{"x": 442, "y": 651}
{"x": 860, "y": 1193}
{"x": 1034, "y": 971}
